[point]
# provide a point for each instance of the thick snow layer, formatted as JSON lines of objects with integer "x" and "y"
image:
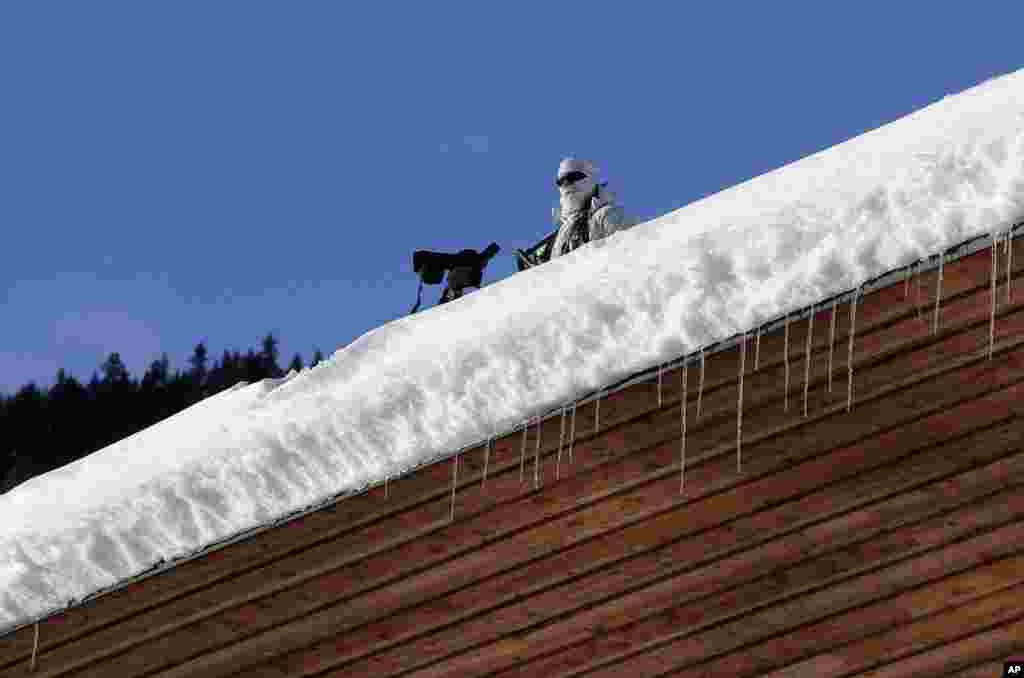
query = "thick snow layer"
{"x": 423, "y": 386}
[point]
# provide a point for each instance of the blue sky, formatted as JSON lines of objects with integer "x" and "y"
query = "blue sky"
{"x": 210, "y": 171}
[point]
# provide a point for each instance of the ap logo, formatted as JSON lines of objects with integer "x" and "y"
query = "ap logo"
{"x": 1015, "y": 669}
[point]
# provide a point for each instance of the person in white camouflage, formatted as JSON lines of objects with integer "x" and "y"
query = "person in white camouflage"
{"x": 587, "y": 208}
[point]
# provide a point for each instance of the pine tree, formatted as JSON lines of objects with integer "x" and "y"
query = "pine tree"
{"x": 318, "y": 358}
{"x": 269, "y": 356}
{"x": 118, "y": 408}
{"x": 157, "y": 375}
{"x": 154, "y": 402}
{"x": 198, "y": 362}
{"x": 296, "y": 364}
{"x": 114, "y": 371}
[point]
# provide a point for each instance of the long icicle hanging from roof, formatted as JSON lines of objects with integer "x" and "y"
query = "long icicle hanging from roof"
{"x": 597, "y": 412}
{"x": 757, "y": 349}
{"x": 660, "y": 366}
{"x": 682, "y": 444}
{"x": 785, "y": 361}
{"x": 572, "y": 432}
{"x": 849, "y": 355}
{"x": 807, "y": 351}
{"x": 700, "y": 389}
{"x": 536, "y": 456}
{"x": 906, "y": 283}
{"x": 1010, "y": 260}
{"x": 831, "y": 344}
{"x": 35, "y": 650}
{"x": 916, "y": 301}
{"x": 487, "y": 459}
{"x": 386, "y": 486}
{"x": 561, "y": 441}
{"x": 455, "y": 480}
{"x": 739, "y": 406}
{"x": 938, "y": 293}
{"x": 992, "y": 317}
{"x": 522, "y": 452}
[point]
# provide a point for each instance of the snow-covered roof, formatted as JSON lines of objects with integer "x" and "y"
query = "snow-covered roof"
{"x": 421, "y": 387}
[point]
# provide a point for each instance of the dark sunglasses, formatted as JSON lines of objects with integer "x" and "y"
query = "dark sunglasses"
{"x": 570, "y": 178}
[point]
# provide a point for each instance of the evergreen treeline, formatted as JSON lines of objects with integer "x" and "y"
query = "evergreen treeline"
{"x": 45, "y": 429}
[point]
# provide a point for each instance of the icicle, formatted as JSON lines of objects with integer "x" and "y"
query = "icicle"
{"x": 785, "y": 359}
{"x": 536, "y": 457}
{"x": 807, "y": 350}
{"x": 561, "y": 441}
{"x": 487, "y": 459}
{"x": 35, "y": 649}
{"x": 739, "y": 407}
{"x": 522, "y": 452}
{"x": 455, "y": 479}
{"x": 992, "y": 319}
{"x": 757, "y": 349}
{"x": 700, "y": 389}
{"x": 916, "y": 301}
{"x": 849, "y": 356}
{"x": 660, "y": 365}
{"x": 831, "y": 344}
{"x": 386, "y": 486}
{"x": 597, "y": 412}
{"x": 906, "y": 283}
{"x": 938, "y": 293}
{"x": 1009, "y": 264}
{"x": 682, "y": 445}
{"x": 572, "y": 433}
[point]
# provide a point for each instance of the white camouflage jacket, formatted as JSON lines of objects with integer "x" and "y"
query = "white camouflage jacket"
{"x": 606, "y": 217}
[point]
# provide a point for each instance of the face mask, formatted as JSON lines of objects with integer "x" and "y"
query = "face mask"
{"x": 575, "y": 195}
